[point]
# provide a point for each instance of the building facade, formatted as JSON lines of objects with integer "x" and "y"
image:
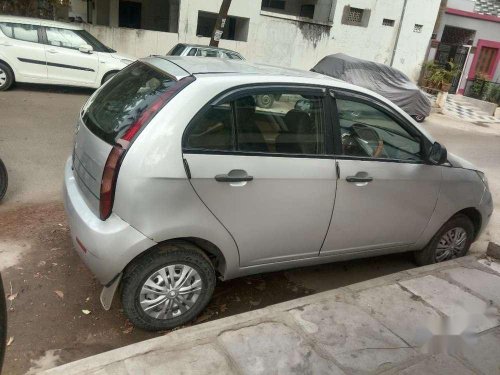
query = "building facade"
{"x": 469, "y": 35}
{"x": 292, "y": 33}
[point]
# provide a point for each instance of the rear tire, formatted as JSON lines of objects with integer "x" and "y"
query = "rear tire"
{"x": 6, "y": 77}
{"x": 419, "y": 118}
{"x": 452, "y": 241}
{"x": 154, "y": 296}
{"x": 265, "y": 101}
{"x": 4, "y": 179}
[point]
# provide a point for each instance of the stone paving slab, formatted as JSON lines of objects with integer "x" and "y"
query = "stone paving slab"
{"x": 400, "y": 311}
{"x": 482, "y": 283}
{"x": 491, "y": 265}
{"x": 356, "y": 340}
{"x": 453, "y": 302}
{"x": 368, "y": 328}
{"x": 274, "y": 348}
{"x": 484, "y": 354}
{"x": 437, "y": 365}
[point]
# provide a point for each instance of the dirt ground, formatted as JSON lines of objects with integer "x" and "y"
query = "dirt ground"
{"x": 50, "y": 288}
{"x": 54, "y": 310}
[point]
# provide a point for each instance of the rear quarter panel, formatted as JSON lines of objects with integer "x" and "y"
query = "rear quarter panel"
{"x": 153, "y": 192}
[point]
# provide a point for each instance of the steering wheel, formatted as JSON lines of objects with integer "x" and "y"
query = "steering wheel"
{"x": 368, "y": 139}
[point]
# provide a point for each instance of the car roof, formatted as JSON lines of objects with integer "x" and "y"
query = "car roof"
{"x": 40, "y": 22}
{"x": 196, "y": 65}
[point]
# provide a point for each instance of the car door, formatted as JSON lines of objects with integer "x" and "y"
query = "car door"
{"x": 386, "y": 192}
{"x": 22, "y": 48}
{"x": 265, "y": 173}
{"x": 65, "y": 63}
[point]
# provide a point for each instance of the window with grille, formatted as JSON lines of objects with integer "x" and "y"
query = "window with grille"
{"x": 388, "y": 22}
{"x": 273, "y": 4}
{"x": 418, "y": 28}
{"x": 355, "y": 15}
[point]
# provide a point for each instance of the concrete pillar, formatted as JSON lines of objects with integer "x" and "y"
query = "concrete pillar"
{"x": 173, "y": 16}
{"x": 114, "y": 7}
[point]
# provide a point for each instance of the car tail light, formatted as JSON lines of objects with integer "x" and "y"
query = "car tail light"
{"x": 115, "y": 157}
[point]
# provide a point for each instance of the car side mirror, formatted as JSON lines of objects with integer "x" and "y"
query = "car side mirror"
{"x": 437, "y": 154}
{"x": 85, "y": 48}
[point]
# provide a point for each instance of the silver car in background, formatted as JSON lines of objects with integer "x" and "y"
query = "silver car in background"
{"x": 183, "y": 49}
{"x": 178, "y": 178}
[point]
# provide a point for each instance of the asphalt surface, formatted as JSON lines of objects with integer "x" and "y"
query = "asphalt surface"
{"x": 54, "y": 311}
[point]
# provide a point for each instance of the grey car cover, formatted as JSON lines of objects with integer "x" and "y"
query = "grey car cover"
{"x": 384, "y": 80}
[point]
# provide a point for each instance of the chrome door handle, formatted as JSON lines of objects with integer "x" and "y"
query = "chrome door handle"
{"x": 359, "y": 179}
{"x": 236, "y": 175}
{"x": 51, "y": 51}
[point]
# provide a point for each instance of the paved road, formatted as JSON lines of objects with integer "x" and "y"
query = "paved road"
{"x": 37, "y": 259}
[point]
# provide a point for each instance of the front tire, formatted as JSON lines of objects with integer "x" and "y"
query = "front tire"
{"x": 168, "y": 287}
{"x": 6, "y": 77}
{"x": 419, "y": 118}
{"x": 107, "y": 77}
{"x": 4, "y": 180}
{"x": 452, "y": 241}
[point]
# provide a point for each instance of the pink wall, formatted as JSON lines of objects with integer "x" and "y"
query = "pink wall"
{"x": 480, "y": 44}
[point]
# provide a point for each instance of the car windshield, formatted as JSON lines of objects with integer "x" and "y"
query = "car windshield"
{"x": 94, "y": 42}
{"x": 115, "y": 107}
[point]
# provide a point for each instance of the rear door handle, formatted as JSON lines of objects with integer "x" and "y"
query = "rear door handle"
{"x": 5, "y": 44}
{"x": 236, "y": 175}
{"x": 359, "y": 179}
{"x": 51, "y": 51}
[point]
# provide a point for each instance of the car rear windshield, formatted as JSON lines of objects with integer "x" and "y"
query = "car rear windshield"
{"x": 117, "y": 105}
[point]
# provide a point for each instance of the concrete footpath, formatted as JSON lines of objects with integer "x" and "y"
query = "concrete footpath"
{"x": 439, "y": 319}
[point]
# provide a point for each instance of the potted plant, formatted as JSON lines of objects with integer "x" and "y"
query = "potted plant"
{"x": 441, "y": 77}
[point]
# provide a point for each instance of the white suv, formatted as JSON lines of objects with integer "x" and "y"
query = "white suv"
{"x": 41, "y": 51}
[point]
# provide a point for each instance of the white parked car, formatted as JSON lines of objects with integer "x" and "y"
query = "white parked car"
{"x": 41, "y": 51}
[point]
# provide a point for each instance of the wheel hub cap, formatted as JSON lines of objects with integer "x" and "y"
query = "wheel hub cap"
{"x": 170, "y": 291}
{"x": 451, "y": 244}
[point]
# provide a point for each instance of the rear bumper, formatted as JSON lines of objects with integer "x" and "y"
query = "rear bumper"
{"x": 106, "y": 247}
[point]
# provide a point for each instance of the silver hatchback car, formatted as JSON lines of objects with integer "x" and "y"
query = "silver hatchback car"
{"x": 178, "y": 178}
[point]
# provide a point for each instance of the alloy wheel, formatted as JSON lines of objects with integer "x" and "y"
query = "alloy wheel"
{"x": 451, "y": 244}
{"x": 170, "y": 291}
{"x": 3, "y": 77}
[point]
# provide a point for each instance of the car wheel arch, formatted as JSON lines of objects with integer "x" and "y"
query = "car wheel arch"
{"x": 105, "y": 75}
{"x": 206, "y": 247}
{"x": 475, "y": 217}
{"x": 8, "y": 66}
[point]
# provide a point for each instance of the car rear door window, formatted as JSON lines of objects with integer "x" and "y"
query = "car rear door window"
{"x": 284, "y": 123}
{"x": 24, "y": 32}
{"x": 212, "y": 129}
{"x": 367, "y": 131}
{"x": 64, "y": 38}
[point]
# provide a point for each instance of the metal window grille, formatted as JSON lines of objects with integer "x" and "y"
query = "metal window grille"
{"x": 387, "y": 22}
{"x": 418, "y": 28}
{"x": 355, "y": 15}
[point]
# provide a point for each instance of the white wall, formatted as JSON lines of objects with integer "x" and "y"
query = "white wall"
{"x": 410, "y": 53}
{"x": 285, "y": 42}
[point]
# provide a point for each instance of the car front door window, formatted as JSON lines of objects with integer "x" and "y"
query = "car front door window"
{"x": 368, "y": 132}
